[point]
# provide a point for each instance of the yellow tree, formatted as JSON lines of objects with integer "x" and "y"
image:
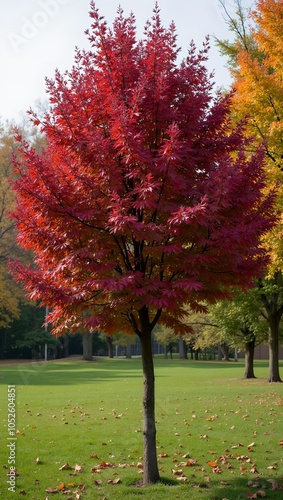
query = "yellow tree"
{"x": 255, "y": 59}
{"x": 9, "y": 291}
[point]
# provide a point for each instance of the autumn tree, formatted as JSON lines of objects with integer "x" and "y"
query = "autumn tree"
{"x": 143, "y": 200}
{"x": 167, "y": 338}
{"x": 255, "y": 58}
{"x": 240, "y": 323}
{"x": 9, "y": 293}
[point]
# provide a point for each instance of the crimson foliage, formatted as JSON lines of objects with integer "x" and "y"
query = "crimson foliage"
{"x": 144, "y": 198}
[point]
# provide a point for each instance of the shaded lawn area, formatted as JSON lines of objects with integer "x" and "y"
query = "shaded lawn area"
{"x": 79, "y": 425}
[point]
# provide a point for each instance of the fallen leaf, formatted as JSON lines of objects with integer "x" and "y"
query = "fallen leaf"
{"x": 177, "y": 472}
{"x": 51, "y": 490}
{"x": 216, "y": 470}
{"x": 61, "y": 486}
{"x": 65, "y": 467}
{"x": 254, "y": 470}
{"x": 114, "y": 481}
{"x": 274, "y": 484}
{"x": 77, "y": 468}
{"x": 212, "y": 463}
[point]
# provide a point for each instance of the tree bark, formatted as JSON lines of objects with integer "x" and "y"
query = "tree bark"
{"x": 87, "y": 346}
{"x": 273, "y": 338}
{"x": 274, "y": 310}
{"x": 249, "y": 359}
{"x": 66, "y": 346}
{"x": 183, "y": 354}
{"x": 110, "y": 347}
{"x": 151, "y": 473}
{"x": 225, "y": 351}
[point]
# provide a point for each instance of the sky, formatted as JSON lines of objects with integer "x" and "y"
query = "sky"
{"x": 38, "y": 36}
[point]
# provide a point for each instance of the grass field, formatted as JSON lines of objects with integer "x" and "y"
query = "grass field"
{"x": 79, "y": 431}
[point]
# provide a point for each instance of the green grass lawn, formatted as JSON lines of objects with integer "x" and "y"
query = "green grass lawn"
{"x": 79, "y": 429}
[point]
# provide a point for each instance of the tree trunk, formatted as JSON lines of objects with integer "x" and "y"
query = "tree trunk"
{"x": 249, "y": 359}
{"x": 273, "y": 337}
{"x": 2, "y": 343}
{"x": 225, "y": 351}
{"x": 128, "y": 351}
{"x": 151, "y": 473}
{"x": 110, "y": 347}
{"x": 183, "y": 354}
{"x": 66, "y": 346}
{"x": 87, "y": 346}
{"x": 274, "y": 309}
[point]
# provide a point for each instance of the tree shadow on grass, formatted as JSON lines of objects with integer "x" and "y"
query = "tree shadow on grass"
{"x": 236, "y": 489}
{"x": 54, "y": 373}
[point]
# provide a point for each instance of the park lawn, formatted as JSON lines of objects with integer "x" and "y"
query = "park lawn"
{"x": 79, "y": 429}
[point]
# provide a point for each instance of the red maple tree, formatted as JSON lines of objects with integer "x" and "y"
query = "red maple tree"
{"x": 143, "y": 201}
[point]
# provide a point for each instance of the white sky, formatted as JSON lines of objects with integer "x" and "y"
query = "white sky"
{"x": 37, "y": 36}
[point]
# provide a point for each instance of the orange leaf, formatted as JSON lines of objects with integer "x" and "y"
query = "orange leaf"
{"x": 61, "y": 486}
{"x": 212, "y": 463}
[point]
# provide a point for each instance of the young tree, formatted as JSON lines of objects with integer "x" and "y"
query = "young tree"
{"x": 240, "y": 323}
{"x": 167, "y": 338}
{"x": 143, "y": 200}
{"x": 255, "y": 58}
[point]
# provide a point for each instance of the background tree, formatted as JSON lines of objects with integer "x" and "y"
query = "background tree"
{"x": 240, "y": 324}
{"x": 167, "y": 338}
{"x": 12, "y": 297}
{"x": 9, "y": 292}
{"x": 143, "y": 200}
{"x": 126, "y": 341}
{"x": 255, "y": 58}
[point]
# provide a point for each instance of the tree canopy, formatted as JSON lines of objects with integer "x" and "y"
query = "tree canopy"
{"x": 144, "y": 200}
